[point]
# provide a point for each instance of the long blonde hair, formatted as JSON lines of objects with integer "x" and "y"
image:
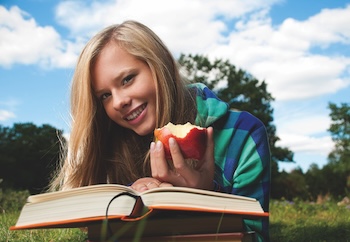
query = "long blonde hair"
{"x": 99, "y": 150}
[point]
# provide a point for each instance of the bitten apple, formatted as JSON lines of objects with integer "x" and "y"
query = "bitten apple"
{"x": 191, "y": 139}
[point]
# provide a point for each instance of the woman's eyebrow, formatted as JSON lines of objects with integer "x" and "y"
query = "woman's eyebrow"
{"x": 119, "y": 76}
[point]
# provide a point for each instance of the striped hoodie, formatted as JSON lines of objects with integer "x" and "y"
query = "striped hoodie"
{"x": 242, "y": 154}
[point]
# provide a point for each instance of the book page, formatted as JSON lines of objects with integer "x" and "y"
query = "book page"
{"x": 80, "y": 191}
{"x": 76, "y": 204}
{"x": 116, "y": 188}
{"x": 197, "y": 191}
{"x": 200, "y": 202}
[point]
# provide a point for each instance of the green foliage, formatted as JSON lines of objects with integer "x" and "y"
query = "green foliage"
{"x": 326, "y": 181}
{"x": 28, "y": 155}
{"x": 339, "y": 158}
{"x": 340, "y": 131}
{"x": 340, "y": 127}
{"x": 302, "y": 221}
{"x": 291, "y": 185}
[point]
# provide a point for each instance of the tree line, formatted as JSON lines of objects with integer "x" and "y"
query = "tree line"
{"x": 29, "y": 154}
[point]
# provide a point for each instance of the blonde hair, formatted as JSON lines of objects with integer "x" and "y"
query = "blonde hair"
{"x": 99, "y": 150}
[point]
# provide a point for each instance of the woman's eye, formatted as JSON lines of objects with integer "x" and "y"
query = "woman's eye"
{"x": 127, "y": 79}
{"x": 104, "y": 96}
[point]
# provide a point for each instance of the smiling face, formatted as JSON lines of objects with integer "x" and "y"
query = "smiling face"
{"x": 126, "y": 88}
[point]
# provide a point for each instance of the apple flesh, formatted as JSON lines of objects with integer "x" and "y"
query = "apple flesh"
{"x": 190, "y": 138}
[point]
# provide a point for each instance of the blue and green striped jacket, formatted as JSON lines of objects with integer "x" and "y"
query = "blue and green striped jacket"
{"x": 242, "y": 154}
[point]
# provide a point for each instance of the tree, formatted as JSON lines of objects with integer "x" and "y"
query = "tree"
{"x": 241, "y": 91}
{"x": 292, "y": 185}
{"x": 325, "y": 181}
{"x": 28, "y": 155}
{"x": 339, "y": 158}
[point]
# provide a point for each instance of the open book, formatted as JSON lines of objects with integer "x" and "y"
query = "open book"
{"x": 88, "y": 206}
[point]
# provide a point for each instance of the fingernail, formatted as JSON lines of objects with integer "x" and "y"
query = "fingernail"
{"x": 171, "y": 141}
{"x": 152, "y": 147}
{"x": 159, "y": 145}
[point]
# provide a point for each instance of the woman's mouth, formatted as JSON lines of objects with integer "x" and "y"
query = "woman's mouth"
{"x": 136, "y": 113}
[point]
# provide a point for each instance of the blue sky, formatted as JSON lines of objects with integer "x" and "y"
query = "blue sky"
{"x": 300, "y": 48}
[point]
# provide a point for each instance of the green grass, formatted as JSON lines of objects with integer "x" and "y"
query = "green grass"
{"x": 297, "y": 221}
{"x": 49, "y": 235}
{"x": 11, "y": 203}
{"x": 301, "y": 221}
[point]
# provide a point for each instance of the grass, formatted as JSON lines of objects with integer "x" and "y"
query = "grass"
{"x": 11, "y": 203}
{"x": 302, "y": 221}
{"x": 44, "y": 235}
{"x": 289, "y": 221}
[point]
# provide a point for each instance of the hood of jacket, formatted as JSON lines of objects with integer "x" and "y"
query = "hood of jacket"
{"x": 209, "y": 107}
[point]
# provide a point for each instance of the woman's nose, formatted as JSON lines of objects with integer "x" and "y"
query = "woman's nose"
{"x": 120, "y": 101}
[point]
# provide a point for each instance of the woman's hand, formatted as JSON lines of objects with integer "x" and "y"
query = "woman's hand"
{"x": 201, "y": 176}
{"x": 147, "y": 183}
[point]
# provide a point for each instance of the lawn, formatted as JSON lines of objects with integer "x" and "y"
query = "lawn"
{"x": 304, "y": 221}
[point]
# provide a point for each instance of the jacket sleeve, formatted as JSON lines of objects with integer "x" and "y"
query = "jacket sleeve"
{"x": 245, "y": 169}
{"x": 252, "y": 177}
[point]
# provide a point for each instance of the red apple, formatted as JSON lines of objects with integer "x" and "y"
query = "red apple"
{"x": 191, "y": 139}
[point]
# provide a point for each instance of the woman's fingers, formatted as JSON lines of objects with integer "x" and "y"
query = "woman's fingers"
{"x": 147, "y": 183}
{"x": 159, "y": 165}
{"x": 153, "y": 157}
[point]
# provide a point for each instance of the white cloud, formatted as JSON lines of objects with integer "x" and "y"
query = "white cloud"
{"x": 307, "y": 125}
{"x": 83, "y": 18}
{"x": 330, "y": 26}
{"x": 307, "y": 144}
{"x": 185, "y": 26}
{"x": 6, "y": 115}
{"x": 7, "y": 111}
{"x": 303, "y": 77}
{"x": 23, "y": 41}
{"x": 283, "y": 55}
{"x": 302, "y": 127}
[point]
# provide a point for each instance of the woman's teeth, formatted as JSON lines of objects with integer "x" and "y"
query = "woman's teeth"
{"x": 136, "y": 113}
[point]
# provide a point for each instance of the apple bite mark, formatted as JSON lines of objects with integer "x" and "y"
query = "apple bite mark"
{"x": 191, "y": 139}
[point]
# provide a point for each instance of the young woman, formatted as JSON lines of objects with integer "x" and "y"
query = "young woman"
{"x": 126, "y": 84}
